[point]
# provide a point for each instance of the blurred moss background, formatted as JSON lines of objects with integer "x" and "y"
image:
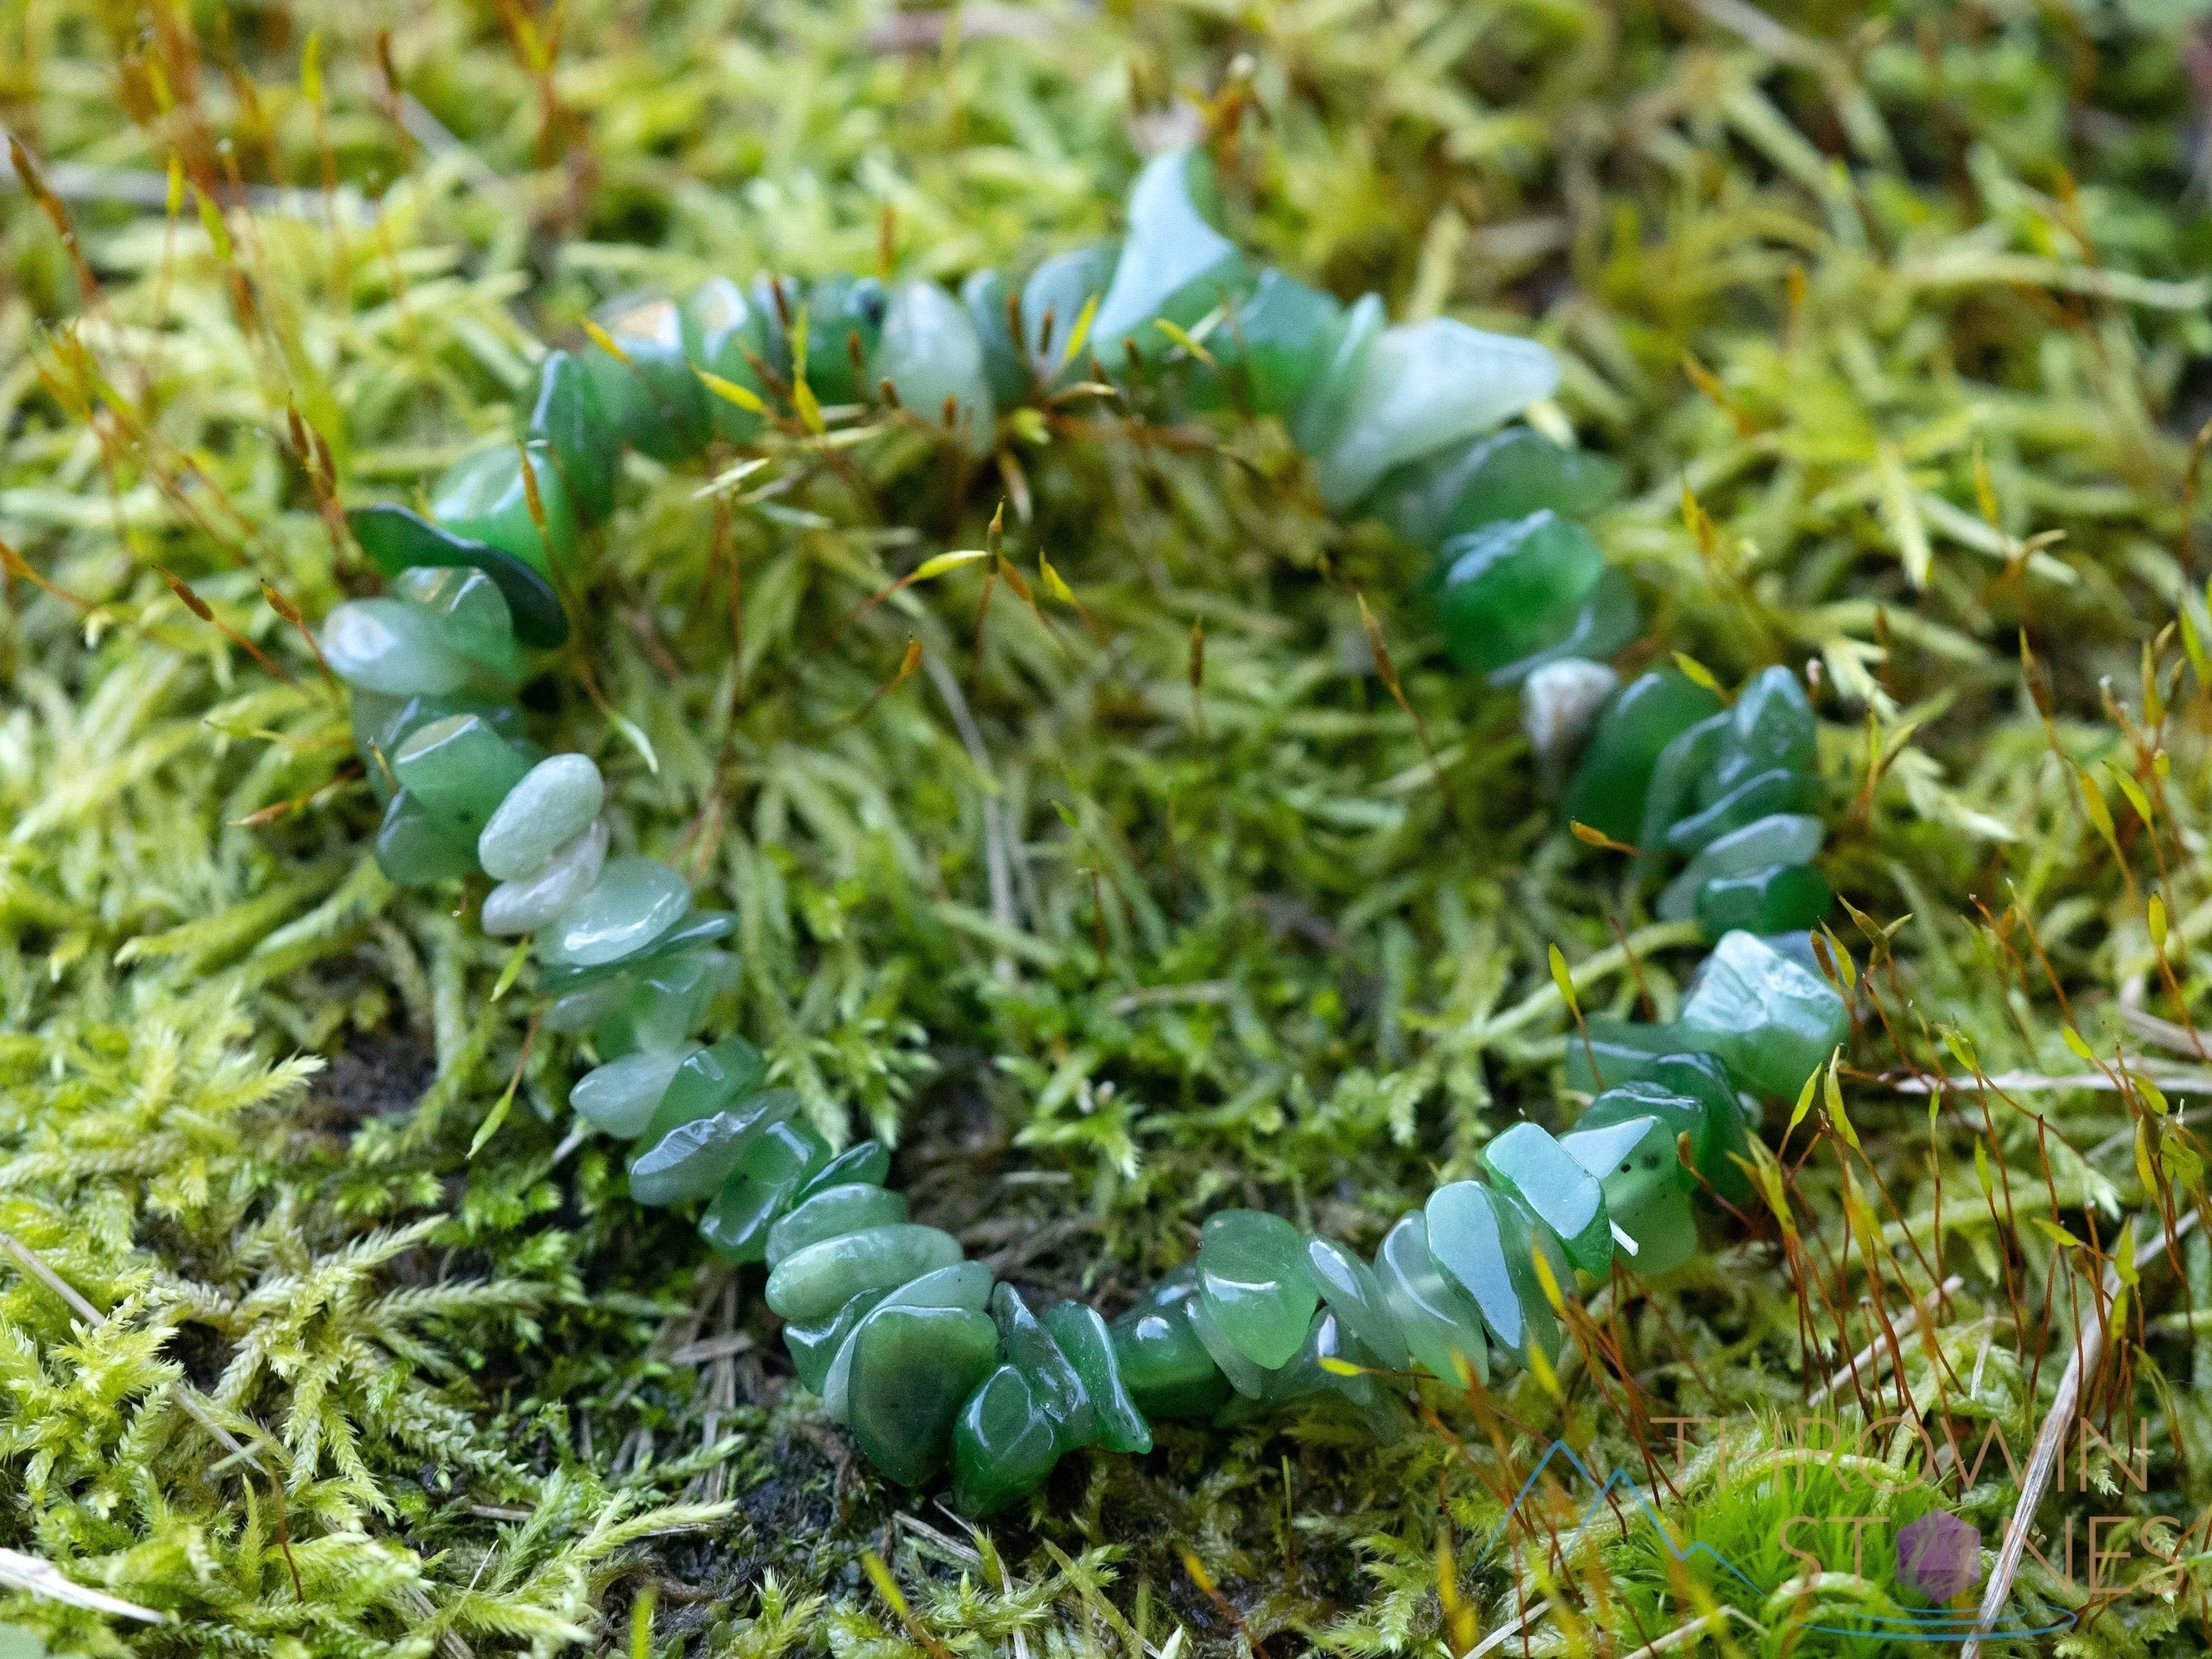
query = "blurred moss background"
{"x": 1898, "y": 320}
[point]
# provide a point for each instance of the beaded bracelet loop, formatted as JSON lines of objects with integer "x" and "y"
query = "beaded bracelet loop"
{"x": 916, "y": 1350}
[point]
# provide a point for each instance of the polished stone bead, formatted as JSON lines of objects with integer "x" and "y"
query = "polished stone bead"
{"x": 471, "y": 616}
{"x": 1168, "y": 1369}
{"x": 1675, "y": 777}
{"x": 622, "y": 1095}
{"x": 390, "y": 646}
{"x": 1770, "y": 1018}
{"x": 1764, "y": 794}
{"x": 726, "y": 335}
{"x": 1060, "y": 288}
{"x": 483, "y": 497}
{"x": 691, "y": 932}
{"x": 1173, "y": 262}
{"x": 460, "y": 770}
{"x": 381, "y": 722}
{"x": 1615, "y": 1051}
{"x": 866, "y": 1161}
{"x": 1479, "y": 481}
{"x": 1783, "y": 838}
{"x": 710, "y": 1080}
{"x": 1609, "y": 786}
{"x": 1506, "y": 593}
{"x": 524, "y": 905}
{"x": 1607, "y": 620}
{"x": 965, "y": 1285}
{"x": 634, "y": 901}
{"x": 416, "y": 849}
{"x": 651, "y": 395}
{"x": 1528, "y": 1163}
{"x": 693, "y": 1159}
{"x": 396, "y": 539}
{"x": 1252, "y": 1273}
{"x": 1320, "y": 413}
{"x": 1479, "y": 1237}
{"x": 1271, "y": 348}
{"x": 1724, "y": 1148}
{"x": 1005, "y": 366}
{"x": 1635, "y": 1161}
{"x": 1244, "y": 1375}
{"x": 665, "y": 1001}
{"x": 1082, "y": 1337}
{"x": 1054, "y": 1383}
{"x": 1770, "y": 728}
{"x": 1306, "y": 1379}
{"x": 810, "y": 1285}
{"x": 1427, "y": 384}
{"x": 1671, "y": 1112}
{"x": 1772, "y": 898}
{"x": 1441, "y": 1324}
{"x": 932, "y": 357}
{"x": 579, "y": 1010}
{"x": 783, "y": 1156}
{"x": 1355, "y": 1295}
{"x": 851, "y": 1208}
{"x": 561, "y": 410}
{"x": 556, "y": 801}
{"x": 815, "y": 1347}
{"x": 844, "y": 322}
{"x": 913, "y": 1370}
{"x": 1003, "y": 1444}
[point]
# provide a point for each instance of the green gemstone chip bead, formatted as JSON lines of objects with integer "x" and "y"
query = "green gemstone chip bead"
{"x": 461, "y": 770}
{"x": 913, "y": 1369}
{"x": 1768, "y": 898}
{"x": 1252, "y": 1274}
{"x": 1532, "y": 1167}
{"x": 634, "y": 902}
{"x": 483, "y": 497}
{"x": 810, "y": 1285}
{"x": 1003, "y": 1443}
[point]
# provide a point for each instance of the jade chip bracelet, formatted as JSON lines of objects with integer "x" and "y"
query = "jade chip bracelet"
{"x": 912, "y": 1348}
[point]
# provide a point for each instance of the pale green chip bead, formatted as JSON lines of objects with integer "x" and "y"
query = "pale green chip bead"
{"x": 390, "y": 646}
{"x": 1355, "y": 1295}
{"x": 1173, "y": 262}
{"x": 525, "y": 905}
{"x": 1244, "y": 1375}
{"x": 471, "y": 613}
{"x": 852, "y": 1208}
{"x": 1770, "y": 1019}
{"x": 930, "y": 354}
{"x": 556, "y": 801}
{"x": 460, "y": 770}
{"x": 483, "y": 498}
{"x": 1320, "y": 412}
{"x": 1060, "y": 288}
{"x": 1483, "y": 1242}
{"x": 415, "y": 849}
{"x": 812, "y": 1284}
{"x": 1252, "y": 1273}
{"x": 634, "y": 901}
{"x": 963, "y": 1285}
{"x": 620, "y": 1096}
{"x": 666, "y": 1001}
{"x": 1443, "y": 1327}
{"x": 693, "y": 1160}
{"x": 1424, "y": 385}
{"x": 1528, "y": 1163}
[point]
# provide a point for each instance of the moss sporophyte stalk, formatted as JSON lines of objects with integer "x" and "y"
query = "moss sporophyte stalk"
{"x": 917, "y": 1351}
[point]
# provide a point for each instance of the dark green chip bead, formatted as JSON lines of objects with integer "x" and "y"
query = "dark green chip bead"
{"x": 913, "y": 1370}
{"x": 844, "y": 322}
{"x": 814, "y": 1348}
{"x": 460, "y": 770}
{"x": 1355, "y": 1295}
{"x": 1506, "y": 593}
{"x": 1252, "y": 1273}
{"x": 1271, "y": 348}
{"x": 1682, "y": 764}
{"x": 1528, "y": 1163}
{"x": 1770, "y": 728}
{"x": 483, "y": 497}
{"x": 1774, "y": 898}
{"x": 561, "y": 410}
{"x": 1780, "y": 838}
{"x": 416, "y": 849}
{"x": 1442, "y": 1324}
{"x": 1610, "y": 1051}
{"x": 1057, "y": 1386}
{"x": 868, "y": 1161}
{"x": 1483, "y": 481}
{"x": 1704, "y": 1079}
{"x": 810, "y": 1285}
{"x": 758, "y": 1190}
{"x": 693, "y": 1160}
{"x": 1167, "y": 1370}
{"x": 1082, "y": 1337}
{"x": 1004, "y": 1443}
{"x": 1762, "y": 795}
{"x": 1610, "y": 784}
{"x": 851, "y": 1208}
{"x": 725, "y": 334}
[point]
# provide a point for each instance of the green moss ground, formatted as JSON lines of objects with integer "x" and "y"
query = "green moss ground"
{"x": 1915, "y": 305}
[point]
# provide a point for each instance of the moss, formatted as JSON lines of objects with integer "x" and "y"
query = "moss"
{"x": 1921, "y": 418}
